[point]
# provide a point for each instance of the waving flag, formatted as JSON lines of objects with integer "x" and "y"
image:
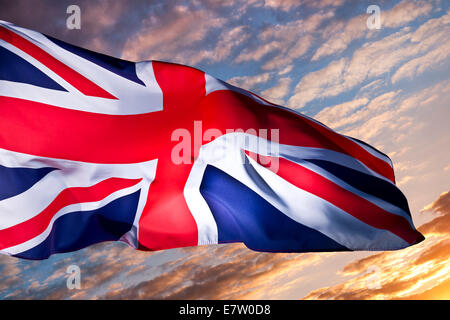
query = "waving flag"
{"x": 159, "y": 155}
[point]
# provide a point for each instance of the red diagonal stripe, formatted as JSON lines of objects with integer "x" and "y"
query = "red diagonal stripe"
{"x": 354, "y": 205}
{"x": 77, "y": 80}
{"x": 228, "y": 109}
{"x": 339, "y": 142}
{"x": 35, "y": 226}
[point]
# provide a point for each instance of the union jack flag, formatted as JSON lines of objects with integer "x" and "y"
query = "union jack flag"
{"x": 87, "y": 147}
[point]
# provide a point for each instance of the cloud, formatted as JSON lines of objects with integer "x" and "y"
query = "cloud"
{"x": 228, "y": 40}
{"x": 429, "y": 61}
{"x": 390, "y": 113}
{"x": 288, "y": 5}
{"x": 344, "y": 74}
{"x": 322, "y": 83}
{"x": 250, "y": 82}
{"x": 421, "y": 271}
{"x": 370, "y": 61}
{"x": 285, "y": 58}
{"x": 173, "y": 35}
{"x": 339, "y": 115}
{"x": 287, "y": 69}
{"x": 441, "y": 224}
{"x": 441, "y": 205}
{"x": 325, "y": 3}
{"x": 404, "y": 180}
{"x": 202, "y": 32}
{"x": 100, "y": 20}
{"x": 277, "y": 93}
{"x": 100, "y": 266}
{"x": 405, "y": 12}
{"x": 259, "y": 52}
{"x": 246, "y": 274}
{"x": 286, "y": 42}
{"x": 119, "y": 272}
{"x": 368, "y": 121}
{"x": 284, "y": 5}
{"x": 340, "y": 34}
{"x": 10, "y": 272}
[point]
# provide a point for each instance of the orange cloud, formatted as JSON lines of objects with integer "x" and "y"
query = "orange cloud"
{"x": 418, "y": 272}
{"x": 243, "y": 274}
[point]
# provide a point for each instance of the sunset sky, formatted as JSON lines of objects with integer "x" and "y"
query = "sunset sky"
{"x": 388, "y": 87}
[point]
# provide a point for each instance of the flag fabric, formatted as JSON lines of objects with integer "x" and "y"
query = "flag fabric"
{"x": 161, "y": 155}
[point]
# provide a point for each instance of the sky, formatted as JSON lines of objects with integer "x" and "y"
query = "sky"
{"x": 389, "y": 87}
